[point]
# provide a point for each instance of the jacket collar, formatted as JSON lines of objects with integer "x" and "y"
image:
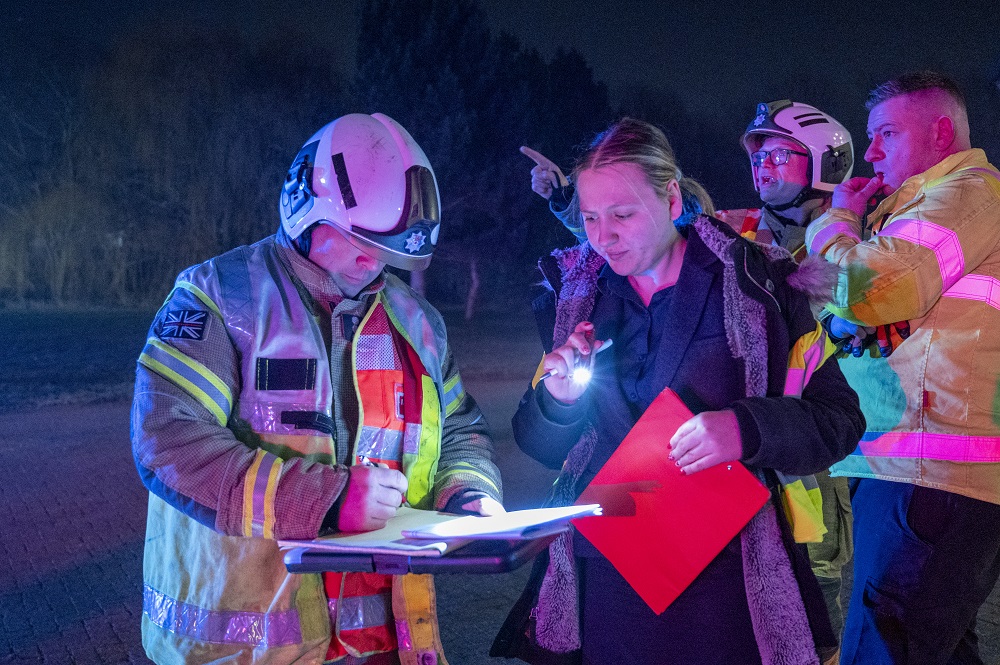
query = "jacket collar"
{"x": 695, "y": 282}
{"x": 682, "y": 317}
{"x": 317, "y": 281}
{"x": 912, "y": 186}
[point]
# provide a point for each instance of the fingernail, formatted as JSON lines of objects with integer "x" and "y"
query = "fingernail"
{"x": 670, "y": 457}
{"x": 677, "y": 463}
{"x": 856, "y": 351}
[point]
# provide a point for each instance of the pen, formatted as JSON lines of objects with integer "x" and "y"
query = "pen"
{"x": 606, "y": 345}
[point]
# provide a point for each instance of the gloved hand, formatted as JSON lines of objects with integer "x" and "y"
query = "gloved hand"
{"x": 855, "y": 338}
{"x": 883, "y": 336}
{"x": 371, "y": 498}
{"x": 484, "y": 505}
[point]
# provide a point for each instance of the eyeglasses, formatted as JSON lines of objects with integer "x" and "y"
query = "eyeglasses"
{"x": 778, "y": 156}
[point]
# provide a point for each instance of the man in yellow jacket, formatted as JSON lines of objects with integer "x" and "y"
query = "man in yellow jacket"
{"x": 926, "y": 488}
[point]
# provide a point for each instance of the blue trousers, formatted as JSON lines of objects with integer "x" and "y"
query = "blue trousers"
{"x": 924, "y": 562}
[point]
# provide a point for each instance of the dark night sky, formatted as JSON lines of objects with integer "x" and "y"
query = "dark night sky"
{"x": 717, "y": 59}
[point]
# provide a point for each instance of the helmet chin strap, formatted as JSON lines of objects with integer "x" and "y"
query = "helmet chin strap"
{"x": 805, "y": 194}
{"x": 303, "y": 243}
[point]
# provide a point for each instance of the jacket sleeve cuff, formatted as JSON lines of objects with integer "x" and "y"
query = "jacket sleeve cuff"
{"x": 556, "y": 411}
{"x": 749, "y": 431}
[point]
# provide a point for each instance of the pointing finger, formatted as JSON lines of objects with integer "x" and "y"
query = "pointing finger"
{"x": 537, "y": 157}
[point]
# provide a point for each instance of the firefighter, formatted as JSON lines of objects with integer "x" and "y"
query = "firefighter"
{"x": 294, "y": 388}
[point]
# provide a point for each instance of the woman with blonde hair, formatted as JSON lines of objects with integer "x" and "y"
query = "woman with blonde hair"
{"x": 690, "y": 306}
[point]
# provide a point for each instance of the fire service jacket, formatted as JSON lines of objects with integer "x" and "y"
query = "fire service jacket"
{"x": 233, "y": 435}
{"x": 933, "y": 259}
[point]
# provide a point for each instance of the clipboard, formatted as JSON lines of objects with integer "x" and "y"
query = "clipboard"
{"x": 477, "y": 557}
{"x": 425, "y": 541}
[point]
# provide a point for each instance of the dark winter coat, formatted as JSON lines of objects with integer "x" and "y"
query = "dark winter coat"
{"x": 685, "y": 340}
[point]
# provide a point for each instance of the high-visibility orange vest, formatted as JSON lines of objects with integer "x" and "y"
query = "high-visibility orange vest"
{"x": 388, "y": 380}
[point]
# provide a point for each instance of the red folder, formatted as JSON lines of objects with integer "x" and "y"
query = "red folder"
{"x": 660, "y": 528}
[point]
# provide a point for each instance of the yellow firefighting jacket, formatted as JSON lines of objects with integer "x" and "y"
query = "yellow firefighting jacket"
{"x": 933, "y": 259}
{"x": 231, "y": 432}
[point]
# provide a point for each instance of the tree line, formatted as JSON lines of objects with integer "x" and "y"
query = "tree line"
{"x": 173, "y": 146}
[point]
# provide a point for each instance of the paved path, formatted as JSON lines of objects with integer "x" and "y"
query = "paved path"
{"x": 72, "y": 529}
{"x": 71, "y": 540}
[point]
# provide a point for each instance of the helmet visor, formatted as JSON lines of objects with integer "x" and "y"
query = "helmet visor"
{"x": 411, "y": 242}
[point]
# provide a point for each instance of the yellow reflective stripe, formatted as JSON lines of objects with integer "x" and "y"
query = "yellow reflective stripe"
{"x": 539, "y": 373}
{"x": 804, "y": 510}
{"x": 248, "y": 484}
{"x": 454, "y": 393}
{"x": 450, "y": 383}
{"x": 421, "y": 471}
{"x": 400, "y": 328}
{"x": 465, "y": 468}
{"x": 190, "y": 375}
{"x": 269, "y": 495}
{"x": 807, "y": 355}
{"x": 200, "y": 295}
{"x": 415, "y": 607}
{"x": 259, "y": 490}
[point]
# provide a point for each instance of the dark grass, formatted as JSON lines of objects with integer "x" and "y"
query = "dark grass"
{"x": 50, "y": 357}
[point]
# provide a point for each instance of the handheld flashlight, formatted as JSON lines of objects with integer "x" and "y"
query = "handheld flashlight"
{"x": 582, "y": 373}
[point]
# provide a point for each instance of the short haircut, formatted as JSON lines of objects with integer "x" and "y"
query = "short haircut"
{"x": 915, "y": 82}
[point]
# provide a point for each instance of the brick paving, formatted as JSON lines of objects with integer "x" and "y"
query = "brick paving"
{"x": 73, "y": 522}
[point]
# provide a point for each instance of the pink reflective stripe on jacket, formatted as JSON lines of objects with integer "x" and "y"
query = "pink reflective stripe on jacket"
{"x": 976, "y": 287}
{"x": 931, "y": 445}
{"x": 943, "y": 242}
{"x": 831, "y": 231}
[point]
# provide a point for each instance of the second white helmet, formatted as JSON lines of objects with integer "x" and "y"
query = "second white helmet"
{"x": 831, "y": 152}
{"x": 366, "y": 175}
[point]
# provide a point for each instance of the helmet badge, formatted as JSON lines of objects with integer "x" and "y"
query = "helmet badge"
{"x": 415, "y": 241}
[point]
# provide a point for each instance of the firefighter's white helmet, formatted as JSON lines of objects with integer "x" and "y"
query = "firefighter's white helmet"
{"x": 366, "y": 175}
{"x": 831, "y": 152}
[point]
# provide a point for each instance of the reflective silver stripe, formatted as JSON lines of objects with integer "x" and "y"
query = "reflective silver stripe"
{"x": 190, "y": 375}
{"x": 376, "y": 351}
{"x": 941, "y": 240}
{"x": 380, "y": 443}
{"x": 411, "y": 439}
{"x": 357, "y": 612}
{"x": 403, "y": 635}
{"x": 808, "y": 482}
{"x": 254, "y": 628}
{"x": 262, "y": 501}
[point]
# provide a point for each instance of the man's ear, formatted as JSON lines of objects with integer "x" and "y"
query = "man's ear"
{"x": 944, "y": 132}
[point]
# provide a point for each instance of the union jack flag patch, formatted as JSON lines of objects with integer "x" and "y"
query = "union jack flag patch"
{"x": 183, "y": 324}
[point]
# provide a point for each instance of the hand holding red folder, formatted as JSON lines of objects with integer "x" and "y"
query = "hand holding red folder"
{"x": 660, "y": 527}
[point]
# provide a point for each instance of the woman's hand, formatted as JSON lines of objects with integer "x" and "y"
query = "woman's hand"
{"x": 707, "y": 439}
{"x": 562, "y": 361}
